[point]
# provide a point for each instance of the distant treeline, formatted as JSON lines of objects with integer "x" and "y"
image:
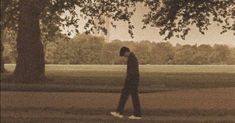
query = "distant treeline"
{"x": 85, "y": 49}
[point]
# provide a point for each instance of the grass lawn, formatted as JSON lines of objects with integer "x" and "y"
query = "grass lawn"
{"x": 110, "y": 78}
{"x": 205, "y": 94}
{"x": 214, "y": 105}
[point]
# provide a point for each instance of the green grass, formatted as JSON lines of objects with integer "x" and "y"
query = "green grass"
{"x": 100, "y": 115}
{"x": 110, "y": 78}
{"x": 100, "y": 120}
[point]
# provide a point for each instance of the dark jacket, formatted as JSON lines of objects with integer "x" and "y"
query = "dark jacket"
{"x": 132, "y": 78}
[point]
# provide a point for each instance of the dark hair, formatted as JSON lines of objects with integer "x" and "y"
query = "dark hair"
{"x": 123, "y": 50}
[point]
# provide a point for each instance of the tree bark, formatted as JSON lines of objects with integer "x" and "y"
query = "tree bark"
{"x": 2, "y": 26}
{"x": 30, "y": 64}
{"x": 2, "y": 59}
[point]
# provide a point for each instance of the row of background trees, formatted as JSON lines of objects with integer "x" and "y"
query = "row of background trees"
{"x": 87, "y": 49}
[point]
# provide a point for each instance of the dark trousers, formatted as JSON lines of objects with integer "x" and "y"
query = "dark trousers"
{"x": 126, "y": 91}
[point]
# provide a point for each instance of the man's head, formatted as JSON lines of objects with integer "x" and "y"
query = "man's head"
{"x": 124, "y": 51}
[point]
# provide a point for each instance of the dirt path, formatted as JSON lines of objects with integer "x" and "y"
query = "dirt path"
{"x": 197, "y": 105}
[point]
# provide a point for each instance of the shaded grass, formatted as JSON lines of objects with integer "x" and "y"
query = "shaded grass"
{"x": 99, "y": 78}
{"x": 147, "y": 112}
{"x": 100, "y": 120}
{"x": 100, "y": 115}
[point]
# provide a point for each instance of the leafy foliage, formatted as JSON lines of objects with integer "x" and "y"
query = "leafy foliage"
{"x": 173, "y": 17}
{"x": 52, "y": 19}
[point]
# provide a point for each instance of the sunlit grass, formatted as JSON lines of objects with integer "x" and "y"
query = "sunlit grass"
{"x": 110, "y": 78}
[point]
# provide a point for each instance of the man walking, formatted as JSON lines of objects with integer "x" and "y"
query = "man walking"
{"x": 130, "y": 86}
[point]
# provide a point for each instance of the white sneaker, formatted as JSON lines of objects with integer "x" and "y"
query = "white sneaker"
{"x": 116, "y": 114}
{"x": 132, "y": 117}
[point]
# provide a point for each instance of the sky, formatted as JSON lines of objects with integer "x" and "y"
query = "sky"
{"x": 212, "y": 35}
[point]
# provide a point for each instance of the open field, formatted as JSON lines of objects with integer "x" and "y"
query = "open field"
{"x": 87, "y": 93}
{"x": 110, "y": 78}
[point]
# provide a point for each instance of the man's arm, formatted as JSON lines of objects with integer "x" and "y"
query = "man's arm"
{"x": 133, "y": 72}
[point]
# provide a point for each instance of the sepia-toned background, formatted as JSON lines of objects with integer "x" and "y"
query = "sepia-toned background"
{"x": 60, "y": 60}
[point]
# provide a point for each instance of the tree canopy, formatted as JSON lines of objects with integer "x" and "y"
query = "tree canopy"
{"x": 52, "y": 10}
{"x": 173, "y": 17}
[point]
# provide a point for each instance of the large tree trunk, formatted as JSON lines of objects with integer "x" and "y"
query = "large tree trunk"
{"x": 4, "y": 5}
{"x": 30, "y": 65}
{"x": 2, "y": 60}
